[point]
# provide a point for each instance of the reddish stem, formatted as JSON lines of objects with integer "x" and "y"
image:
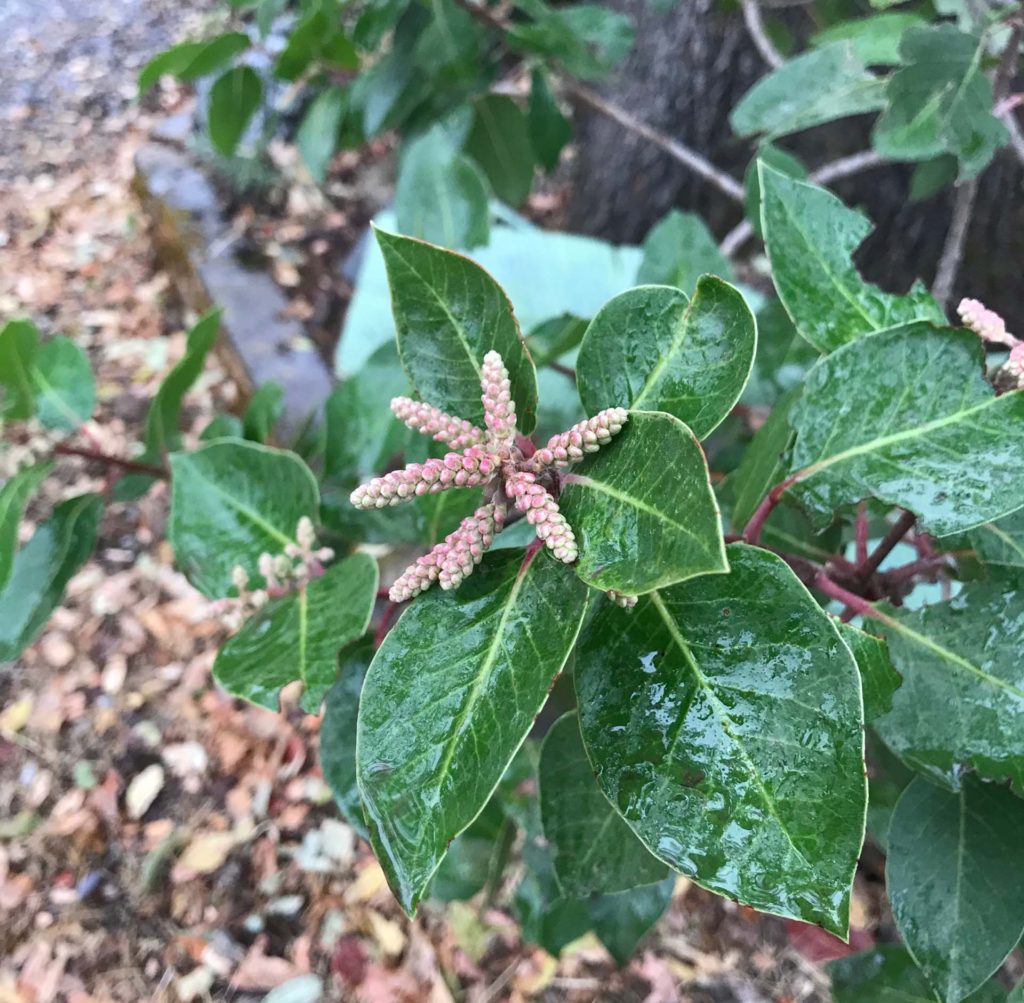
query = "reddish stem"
{"x": 897, "y": 531}
{"x": 823, "y": 583}
{"x": 532, "y": 550}
{"x": 112, "y": 461}
{"x": 752, "y": 531}
{"x": 567, "y": 371}
{"x": 385, "y": 623}
{"x": 862, "y": 534}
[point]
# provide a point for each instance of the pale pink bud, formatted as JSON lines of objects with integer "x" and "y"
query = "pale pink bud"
{"x": 265, "y": 566}
{"x": 1010, "y": 375}
{"x": 429, "y": 420}
{"x": 467, "y": 544}
{"x": 467, "y": 469}
{"x": 499, "y": 408}
{"x": 418, "y": 577}
{"x": 987, "y": 324}
{"x": 587, "y": 436}
{"x": 543, "y": 514}
{"x": 626, "y": 602}
{"x": 305, "y": 534}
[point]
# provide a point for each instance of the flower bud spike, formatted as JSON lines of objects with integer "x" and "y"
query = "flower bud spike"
{"x": 587, "y": 436}
{"x": 465, "y": 547}
{"x": 472, "y": 467}
{"x": 985, "y": 323}
{"x": 429, "y": 420}
{"x": 417, "y": 578}
{"x": 626, "y": 602}
{"x": 499, "y": 408}
{"x": 543, "y": 514}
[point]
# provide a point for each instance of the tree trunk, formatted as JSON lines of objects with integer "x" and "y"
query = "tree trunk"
{"x": 687, "y": 70}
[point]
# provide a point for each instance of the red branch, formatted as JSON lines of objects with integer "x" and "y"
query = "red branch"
{"x": 752, "y": 531}
{"x": 112, "y": 461}
{"x": 858, "y": 604}
{"x": 898, "y": 530}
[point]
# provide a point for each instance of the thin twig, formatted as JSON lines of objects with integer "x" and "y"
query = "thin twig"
{"x": 899, "y": 529}
{"x": 725, "y": 183}
{"x": 862, "y": 534}
{"x": 752, "y": 530}
{"x": 857, "y": 603}
{"x": 566, "y": 371}
{"x": 755, "y": 25}
{"x": 956, "y": 239}
{"x": 112, "y": 461}
{"x": 1001, "y": 88}
{"x": 1016, "y": 133}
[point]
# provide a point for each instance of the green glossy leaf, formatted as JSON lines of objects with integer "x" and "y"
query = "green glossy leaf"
{"x": 42, "y": 569}
{"x": 449, "y": 698}
{"x": 315, "y": 38}
{"x": 778, "y": 160}
{"x": 499, "y": 142}
{"x": 940, "y": 101}
{"x": 164, "y": 415}
{"x": 1001, "y": 543}
{"x": 230, "y": 502}
{"x": 643, "y": 510}
{"x": 723, "y": 717}
{"x": 263, "y": 412}
{"x": 678, "y": 251}
{"x": 19, "y": 343}
{"x": 546, "y": 917}
{"x": 782, "y": 359}
{"x": 955, "y": 881}
{"x": 962, "y": 699}
{"x": 441, "y": 194}
{"x": 298, "y": 636}
{"x": 879, "y": 680}
{"x": 338, "y": 732}
{"x": 592, "y": 848}
{"x": 621, "y": 919}
{"x": 222, "y": 426}
{"x": 549, "y": 129}
{"x": 819, "y": 86}
{"x": 555, "y": 337}
{"x": 317, "y": 135}
{"x": 234, "y": 98}
{"x": 888, "y": 974}
{"x": 906, "y": 416}
{"x": 811, "y": 237}
{"x": 190, "y": 60}
{"x": 652, "y": 349}
{"x": 14, "y": 496}
{"x": 448, "y": 51}
{"x": 876, "y": 40}
{"x": 763, "y": 462}
{"x": 449, "y": 314}
{"x": 65, "y": 392}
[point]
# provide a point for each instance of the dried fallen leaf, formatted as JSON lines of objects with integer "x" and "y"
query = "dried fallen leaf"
{"x": 15, "y": 717}
{"x": 206, "y": 852}
{"x": 388, "y": 934}
{"x": 143, "y": 789}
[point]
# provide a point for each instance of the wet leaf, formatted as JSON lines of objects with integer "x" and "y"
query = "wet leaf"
{"x": 449, "y": 698}
{"x": 653, "y": 349}
{"x": 962, "y": 698}
{"x": 723, "y": 718}
{"x": 811, "y": 237}
{"x": 1001, "y": 543}
{"x": 678, "y": 250}
{"x": 230, "y": 502}
{"x": 879, "y": 680}
{"x": 955, "y": 880}
{"x": 299, "y": 636}
{"x": 643, "y": 510}
{"x": 449, "y": 314}
{"x": 906, "y": 416}
{"x": 592, "y": 848}
{"x": 621, "y": 919}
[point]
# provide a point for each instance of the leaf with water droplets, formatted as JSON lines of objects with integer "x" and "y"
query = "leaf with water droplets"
{"x": 723, "y": 717}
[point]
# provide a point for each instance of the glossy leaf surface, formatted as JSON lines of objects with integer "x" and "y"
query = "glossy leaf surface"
{"x": 955, "y": 880}
{"x": 621, "y": 919}
{"x": 879, "y": 680}
{"x": 592, "y": 848}
{"x": 42, "y": 569}
{"x": 65, "y": 391}
{"x": 449, "y": 698}
{"x": 14, "y": 496}
{"x": 875, "y": 39}
{"x": 1001, "y": 543}
{"x": 230, "y": 502}
{"x": 643, "y": 510}
{"x": 652, "y": 349}
{"x": 907, "y": 417}
{"x": 299, "y": 635}
{"x": 723, "y": 717}
{"x": 678, "y": 250}
{"x": 811, "y": 237}
{"x": 962, "y": 698}
{"x": 449, "y": 314}
{"x": 815, "y": 87}
{"x": 888, "y": 974}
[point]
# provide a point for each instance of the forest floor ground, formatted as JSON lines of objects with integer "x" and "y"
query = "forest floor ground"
{"x": 159, "y": 840}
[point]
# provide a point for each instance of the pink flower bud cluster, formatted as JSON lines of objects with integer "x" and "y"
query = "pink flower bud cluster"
{"x": 626, "y": 602}
{"x": 484, "y": 457}
{"x": 455, "y": 558}
{"x": 987, "y": 324}
{"x": 429, "y": 420}
{"x": 584, "y": 437}
{"x": 471, "y": 467}
{"x": 543, "y": 513}
{"x": 499, "y": 408}
{"x": 1010, "y": 375}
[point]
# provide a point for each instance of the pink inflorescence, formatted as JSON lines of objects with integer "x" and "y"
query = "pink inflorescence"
{"x": 491, "y": 458}
{"x": 989, "y": 326}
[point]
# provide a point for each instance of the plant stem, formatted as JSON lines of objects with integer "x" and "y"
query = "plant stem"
{"x": 899, "y": 529}
{"x": 385, "y": 623}
{"x": 566, "y": 371}
{"x": 112, "y": 461}
{"x": 862, "y": 534}
{"x": 956, "y": 239}
{"x": 752, "y": 531}
{"x": 823, "y": 583}
{"x": 755, "y": 26}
